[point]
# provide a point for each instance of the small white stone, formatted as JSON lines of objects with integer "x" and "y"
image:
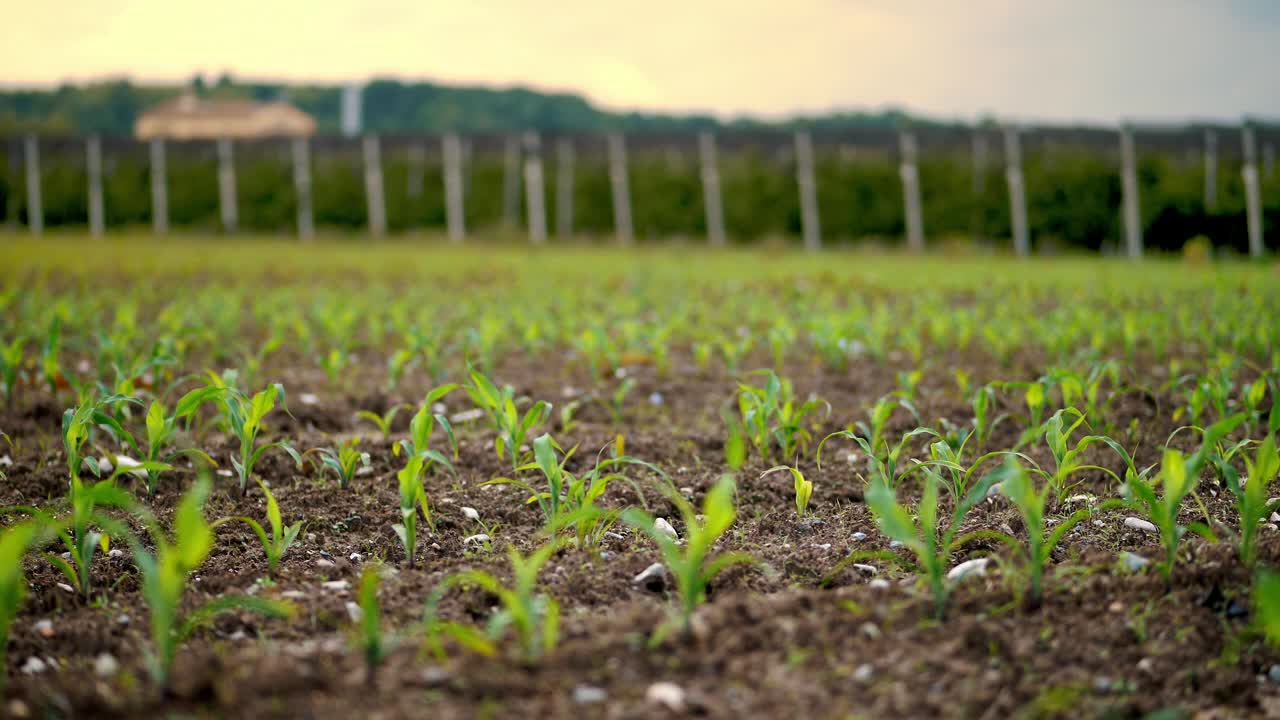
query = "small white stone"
{"x": 325, "y": 564}
{"x": 467, "y": 416}
{"x": 588, "y": 695}
{"x": 655, "y": 573}
{"x": 33, "y": 666}
{"x": 64, "y": 586}
{"x": 43, "y": 627}
{"x": 477, "y": 539}
{"x": 655, "y": 398}
{"x": 115, "y": 553}
{"x": 666, "y": 694}
{"x": 336, "y": 585}
{"x": 308, "y": 399}
{"x": 866, "y": 569}
{"x": 364, "y": 470}
{"x": 356, "y": 557}
{"x": 126, "y": 462}
{"x": 354, "y": 612}
{"x": 1133, "y": 562}
{"x": 6, "y": 461}
{"x": 864, "y": 673}
{"x": 665, "y": 528}
{"x": 105, "y": 665}
{"x": 1275, "y": 517}
{"x": 1075, "y": 499}
{"x": 858, "y": 536}
{"x": 976, "y": 567}
{"x": 224, "y": 473}
{"x": 824, "y": 546}
{"x": 879, "y": 584}
{"x": 293, "y": 595}
{"x": 1140, "y": 524}
{"x": 471, "y": 513}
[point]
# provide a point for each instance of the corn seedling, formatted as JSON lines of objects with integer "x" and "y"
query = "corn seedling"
{"x": 165, "y": 573}
{"x": 884, "y": 464}
{"x": 1266, "y": 606}
{"x": 618, "y": 399}
{"x": 243, "y": 417}
{"x": 500, "y": 407}
{"x": 344, "y": 460}
{"x": 690, "y": 563}
{"x": 534, "y": 617}
{"x": 383, "y": 421}
{"x": 276, "y": 543}
{"x": 1251, "y": 494}
{"x": 930, "y": 543}
{"x": 372, "y": 641}
{"x": 804, "y": 488}
{"x": 770, "y": 417}
{"x": 413, "y": 496}
{"x": 10, "y": 366}
{"x": 15, "y": 541}
{"x": 161, "y": 428}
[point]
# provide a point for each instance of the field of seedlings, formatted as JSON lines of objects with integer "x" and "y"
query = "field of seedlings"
{"x": 255, "y": 478}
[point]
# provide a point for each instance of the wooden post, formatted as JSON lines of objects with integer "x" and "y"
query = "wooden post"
{"x": 227, "y": 186}
{"x": 377, "y": 208}
{"x": 810, "y": 225}
{"x": 911, "y": 191}
{"x": 1210, "y": 171}
{"x": 415, "y": 168}
{"x": 455, "y": 217}
{"x": 159, "y": 189}
{"x": 1017, "y": 192}
{"x": 302, "y": 188}
{"x": 622, "y": 224}
{"x": 511, "y": 183}
{"x": 534, "y": 198}
{"x": 712, "y": 206}
{"x": 93, "y": 168}
{"x": 35, "y": 204}
{"x": 1129, "y": 186}
{"x": 1252, "y": 191}
{"x": 564, "y": 187}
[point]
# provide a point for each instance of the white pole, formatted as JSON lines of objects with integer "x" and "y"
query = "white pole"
{"x": 1252, "y": 191}
{"x": 1017, "y": 192}
{"x": 93, "y": 166}
{"x": 810, "y": 224}
{"x": 620, "y": 188}
{"x": 1129, "y": 186}
{"x": 159, "y": 189}
{"x": 377, "y": 208}
{"x": 534, "y": 198}
{"x": 227, "y": 186}
{"x": 451, "y": 149}
{"x": 911, "y": 191}
{"x": 302, "y": 188}
{"x": 1210, "y": 170}
{"x": 712, "y": 205}
{"x": 35, "y": 204}
{"x": 564, "y": 187}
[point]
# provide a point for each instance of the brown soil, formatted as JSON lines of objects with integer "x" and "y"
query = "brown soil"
{"x": 786, "y": 638}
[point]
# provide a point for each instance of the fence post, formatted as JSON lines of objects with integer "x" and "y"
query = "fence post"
{"x": 534, "y": 198}
{"x": 302, "y": 187}
{"x": 35, "y": 204}
{"x": 511, "y": 182}
{"x": 93, "y": 168}
{"x": 622, "y": 224}
{"x": 1252, "y": 191}
{"x": 451, "y": 149}
{"x": 159, "y": 189}
{"x": 1210, "y": 170}
{"x": 1129, "y": 186}
{"x": 712, "y": 205}
{"x": 911, "y": 191}
{"x": 810, "y": 225}
{"x": 1017, "y": 191}
{"x": 227, "y": 186}
{"x": 564, "y": 187}
{"x": 377, "y": 208}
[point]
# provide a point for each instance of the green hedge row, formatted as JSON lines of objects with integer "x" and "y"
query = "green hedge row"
{"x": 1073, "y": 195}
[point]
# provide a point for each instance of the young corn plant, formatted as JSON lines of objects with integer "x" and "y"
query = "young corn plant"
{"x": 413, "y": 496}
{"x": 883, "y": 464}
{"x": 1066, "y": 457}
{"x": 690, "y": 563}
{"x": 500, "y": 406}
{"x": 569, "y": 501}
{"x": 931, "y": 543}
{"x": 1251, "y": 494}
{"x": 281, "y": 537}
{"x": 804, "y": 487}
{"x": 373, "y": 642}
{"x": 10, "y": 367}
{"x": 770, "y": 416}
{"x": 165, "y": 573}
{"x": 243, "y": 417}
{"x": 345, "y": 460}
{"x": 1177, "y": 479}
{"x": 534, "y": 617}
{"x": 618, "y": 399}
{"x": 15, "y": 541}
{"x": 383, "y": 421}
{"x": 161, "y": 427}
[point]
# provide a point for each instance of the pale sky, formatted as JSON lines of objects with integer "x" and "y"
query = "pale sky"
{"x": 1026, "y": 59}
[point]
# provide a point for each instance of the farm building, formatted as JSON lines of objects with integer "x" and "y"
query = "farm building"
{"x": 188, "y": 117}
